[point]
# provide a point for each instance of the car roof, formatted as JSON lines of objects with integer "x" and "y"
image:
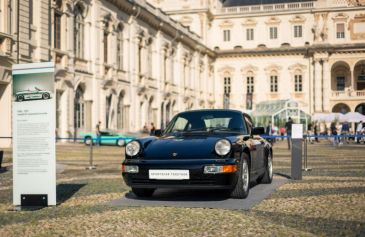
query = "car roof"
{"x": 213, "y": 110}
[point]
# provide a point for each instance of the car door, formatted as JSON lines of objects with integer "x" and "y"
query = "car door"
{"x": 253, "y": 145}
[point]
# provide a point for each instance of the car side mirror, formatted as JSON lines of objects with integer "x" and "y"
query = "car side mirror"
{"x": 258, "y": 131}
{"x": 158, "y": 132}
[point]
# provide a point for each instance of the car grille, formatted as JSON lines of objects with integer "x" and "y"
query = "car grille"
{"x": 175, "y": 182}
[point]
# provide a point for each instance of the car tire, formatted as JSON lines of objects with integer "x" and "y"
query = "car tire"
{"x": 120, "y": 142}
{"x": 143, "y": 192}
{"x": 242, "y": 187}
{"x": 268, "y": 175}
{"x": 20, "y": 98}
{"x": 45, "y": 96}
{"x": 88, "y": 141}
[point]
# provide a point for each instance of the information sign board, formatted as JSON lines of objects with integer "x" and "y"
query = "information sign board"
{"x": 34, "y": 159}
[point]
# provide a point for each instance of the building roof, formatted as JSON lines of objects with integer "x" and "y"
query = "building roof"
{"x": 230, "y": 3}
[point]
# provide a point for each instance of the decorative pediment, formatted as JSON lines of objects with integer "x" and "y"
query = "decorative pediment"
{"x": 342, "y": 17}
{"x": 249, "y": 22}
{"x": 295, "y": 67}
{"x": 272, "y": 68}
{"x": 226, "y": 70}
{"x": 297, "y": 19}
{"x": 273, "y": 21}
{"x": 226, "y": 24}
{"x": 249, "y": 68}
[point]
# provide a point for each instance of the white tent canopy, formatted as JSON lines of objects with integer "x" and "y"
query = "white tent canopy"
{"x": 327, "y": 117}
{"x": 351, "y": 117}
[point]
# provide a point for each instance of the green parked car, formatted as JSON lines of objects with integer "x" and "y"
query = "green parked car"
{"x": 107, "y": 138}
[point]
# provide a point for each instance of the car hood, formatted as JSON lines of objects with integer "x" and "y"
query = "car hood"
{"x": 186, "y": 147}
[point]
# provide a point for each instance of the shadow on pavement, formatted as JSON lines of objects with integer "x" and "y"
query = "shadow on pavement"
{"x": 201, "y": 198}
{"x": 66, "y": 191}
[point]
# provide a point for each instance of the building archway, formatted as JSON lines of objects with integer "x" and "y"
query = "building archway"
{"x": 79, "y": 110}
{"x": 360, "y": 108}
{"x": 341, "y": 108}
{"x": 340, "y": 76}
{"x": 359, "y": 75}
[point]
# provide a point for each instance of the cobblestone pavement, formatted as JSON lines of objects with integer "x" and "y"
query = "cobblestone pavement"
{"x": 329, "y": 201}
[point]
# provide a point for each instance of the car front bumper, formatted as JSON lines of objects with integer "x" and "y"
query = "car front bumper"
{"x": 197, "y": 178}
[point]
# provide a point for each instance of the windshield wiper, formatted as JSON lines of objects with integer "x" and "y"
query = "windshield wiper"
{"x": 195, "y": 130}
{"x": 224, "y": 130}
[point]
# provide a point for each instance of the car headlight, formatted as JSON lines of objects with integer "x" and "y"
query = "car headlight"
{"x": 222, "y": 147}
{"x": 132, "y": 148}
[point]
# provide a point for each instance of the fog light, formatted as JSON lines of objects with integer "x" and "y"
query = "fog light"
{"x": 216, "y": 169}
{"x": 130, "y": 168}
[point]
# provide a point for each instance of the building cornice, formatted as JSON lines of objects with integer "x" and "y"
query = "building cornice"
{"x": 291, "y": 12}
{"x": 157, "y": 19}
{"x": 309, "y": 50}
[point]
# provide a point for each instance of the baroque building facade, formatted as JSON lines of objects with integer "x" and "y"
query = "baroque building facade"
{"x": 127, "y": 63}
{"x": 312, "y": 52}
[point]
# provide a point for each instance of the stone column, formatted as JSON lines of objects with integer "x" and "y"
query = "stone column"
{"x": 317, "y": 86}
{"x": 326, "y": 85}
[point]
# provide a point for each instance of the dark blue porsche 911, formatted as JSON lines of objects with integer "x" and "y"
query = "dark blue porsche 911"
{"x": 210, "y": 149}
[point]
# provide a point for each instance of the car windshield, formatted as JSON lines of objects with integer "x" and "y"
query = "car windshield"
{"x": 207, "y": 121}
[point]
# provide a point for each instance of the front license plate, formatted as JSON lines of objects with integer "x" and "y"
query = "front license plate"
{"x": 169, "y": 174}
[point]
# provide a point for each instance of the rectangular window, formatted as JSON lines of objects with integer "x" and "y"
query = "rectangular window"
{"x": 9, "y": 15}
{"x": 226, "y": 35}
{"x": 250, "y": 85}
{"x": 273, "y": 83}
{"x": 298, "y": 83}
{"x": 120, "y": 50}
{"x": 298, "y": 32}
{"x": 105, "y": 39}
{"x": 249, "y": 34}
{"x": 227, "y": 85}
{"x": 57, "y": 30}
{"x": 273, "y": 32}
{"x": 340, "y": 83}
{"x": 340, "y": 31}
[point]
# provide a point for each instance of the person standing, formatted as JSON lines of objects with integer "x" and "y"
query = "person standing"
{"x": 334, "y": 133}
{"x": 315, "y": 130}
{"x": 153, "y": 128}
{"x": 345, "y": 131}
{"x": 288, "y": 126}
{"x": 358, "y": 131}
{"x": 268, "y": 132}
{"x": 98, "y": 133}
{"x": 282, "y": 132}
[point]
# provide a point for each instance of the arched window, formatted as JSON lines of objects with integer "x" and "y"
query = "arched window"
{"x": 105, "y": 40}
{"x": 57, "y": 24}
{"x": 79, "y": 108}
{"x": 79, "y": 32}
{"x": 108, "y": 104}
{"x": 9, "y": 16}
{"x": 120, "y": 111}
{"x": 139, "y": 54}
{"x": 120, "y": 47}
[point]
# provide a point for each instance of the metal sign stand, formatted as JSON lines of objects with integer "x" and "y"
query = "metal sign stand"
{"x": 91, "y": 165}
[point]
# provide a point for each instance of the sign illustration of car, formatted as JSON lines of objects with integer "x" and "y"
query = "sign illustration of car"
{"x": 107, "y": 138}
{"x": 200, "y": 149}
{"x": 36, "y": 94}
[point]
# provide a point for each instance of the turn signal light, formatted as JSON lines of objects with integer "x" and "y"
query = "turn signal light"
{"x": 217, "y": 169}
{"x": 229, "y": 168}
